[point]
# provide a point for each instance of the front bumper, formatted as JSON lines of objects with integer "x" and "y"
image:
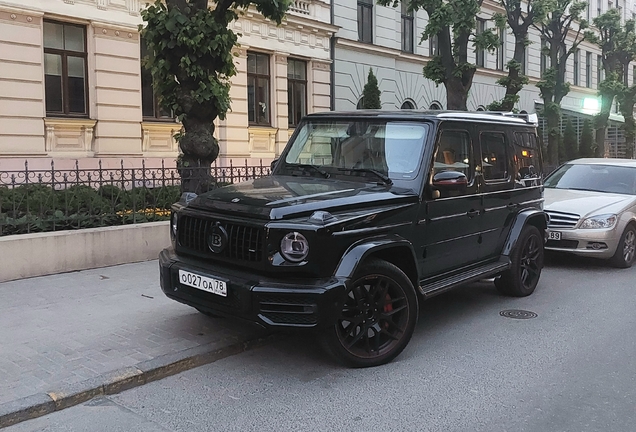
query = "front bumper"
{"x": 596, "y": 243}
{"x": 265, "y": 301}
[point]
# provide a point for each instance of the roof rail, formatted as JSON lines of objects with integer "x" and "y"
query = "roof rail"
{"x": 529, "y": 118}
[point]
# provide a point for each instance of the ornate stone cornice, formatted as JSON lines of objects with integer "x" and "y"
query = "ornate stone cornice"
{"x": 26, "y": 18}
{"x": 112, "y": 32}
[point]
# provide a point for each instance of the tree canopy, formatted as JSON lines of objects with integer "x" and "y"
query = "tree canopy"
{"x": 190, "y": 57}
{"x": 454, "y": 24}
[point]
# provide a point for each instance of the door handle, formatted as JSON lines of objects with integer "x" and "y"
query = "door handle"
{"x": 472, "y": 213}
{"x": 512, "y": 206}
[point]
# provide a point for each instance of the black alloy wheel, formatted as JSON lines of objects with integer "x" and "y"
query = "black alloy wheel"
{"x": 522, "y": 277}
{"x": 378, "y": 316}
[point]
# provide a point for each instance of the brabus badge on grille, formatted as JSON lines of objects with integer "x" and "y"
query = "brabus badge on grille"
{"x": 217, "y": 238}
{"x": 235, "y": 200}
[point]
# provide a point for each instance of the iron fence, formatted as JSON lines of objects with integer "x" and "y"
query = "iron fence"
{"x": 38, "y": 200}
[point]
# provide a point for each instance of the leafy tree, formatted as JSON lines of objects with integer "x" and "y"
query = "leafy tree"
{"x": 519, "y": 17}
{"x": 191, "y": 62}
{"x": 617, "y": 49}
{"x": 371, "y": 93}
{"x": 587, "y": 138}
{"x": 570, "y": 142}
{"x": 454, "y": 23}
{"x": 627, "y": 100}
{"x": 554, "y": 27}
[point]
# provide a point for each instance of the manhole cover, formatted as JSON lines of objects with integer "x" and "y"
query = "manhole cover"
{"x": 517, "y": 314}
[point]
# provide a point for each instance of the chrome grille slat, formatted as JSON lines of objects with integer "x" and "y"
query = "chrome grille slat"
{"x": 562, "y": 220}
{"x": 245, "y": 242}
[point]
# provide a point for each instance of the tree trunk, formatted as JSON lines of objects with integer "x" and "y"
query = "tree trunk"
{"x": 200, "y": 149}
{"x": 515, "y": 82}
{"x": 456, "y": 95}
{"x": 554, "y": 135}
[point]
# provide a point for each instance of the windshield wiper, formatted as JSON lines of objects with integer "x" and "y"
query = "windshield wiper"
{"x": 314, "y": 168}
{"x": 385, "y": 179}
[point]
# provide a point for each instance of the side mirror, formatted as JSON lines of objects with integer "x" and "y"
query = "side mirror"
{"x": 272, "y": 165}
{"x": 450, "y": 181}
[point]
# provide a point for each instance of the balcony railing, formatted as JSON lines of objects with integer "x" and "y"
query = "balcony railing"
{"x": 301, "y": 7}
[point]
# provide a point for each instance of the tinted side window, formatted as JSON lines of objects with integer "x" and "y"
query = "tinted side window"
{"x": 494, "y": 156}
{"x": 453, "y": 153}
{"x": 527, "y": 159}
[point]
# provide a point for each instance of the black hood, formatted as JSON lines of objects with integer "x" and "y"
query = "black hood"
{"x": 284, "y": 197}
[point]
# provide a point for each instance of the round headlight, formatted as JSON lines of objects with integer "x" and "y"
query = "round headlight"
{"x": 173, "y": 225}
{"x": 294, "y": 247}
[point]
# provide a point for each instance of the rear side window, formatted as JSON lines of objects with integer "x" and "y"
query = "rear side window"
{"x": 453, "y": 153}
{"x": 494, "y": 156}
{"x": 527, "y": 159}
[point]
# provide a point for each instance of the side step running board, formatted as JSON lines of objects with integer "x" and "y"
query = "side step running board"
{"x": 482, "y": 272}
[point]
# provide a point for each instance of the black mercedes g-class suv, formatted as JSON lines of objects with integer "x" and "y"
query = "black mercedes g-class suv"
{"x": 365, "y": 214}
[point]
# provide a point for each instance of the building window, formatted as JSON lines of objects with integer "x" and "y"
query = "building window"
{"x": 408, "y": 105}
{"x": 545, "y": 58}
{"x": 258, "y": 89}
{"x": 599, "y": 70}
{"x": 433, "y": 45}
{"x": 365, "y": 21}
{"x": 480, "y": 54}
{"x": 588, "y": 69}
{"x": 577, "y": 55}
{"x": 435, "y": 106}
{"x": 407, "y": 28}
{"x": 587, "y": 12}
{"x": 501, "y": 50}
{"x": 633, "y": 75}
{"x": 150, "y": 108}
{"x": 296, "y": 91}
{"x": 65, "y": 83}
{"x": 523, "y": 61}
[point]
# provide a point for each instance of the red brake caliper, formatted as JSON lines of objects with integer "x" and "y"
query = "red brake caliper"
{"x": 388, "y": 307}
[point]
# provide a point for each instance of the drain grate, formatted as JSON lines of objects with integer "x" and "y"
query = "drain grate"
{"x": 517, "y": 314}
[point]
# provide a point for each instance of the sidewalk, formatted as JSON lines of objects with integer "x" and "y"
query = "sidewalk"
{"x": 109, "y": 326}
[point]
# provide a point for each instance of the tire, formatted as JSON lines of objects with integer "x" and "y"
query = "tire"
{"x": 522, "y": 277}
{"x": 209, "y": 314}
{"x": 377, "y": 319}
{"x": 626, "y": 250}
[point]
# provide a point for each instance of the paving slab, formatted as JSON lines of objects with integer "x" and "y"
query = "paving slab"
{"x": 70, "y": 337}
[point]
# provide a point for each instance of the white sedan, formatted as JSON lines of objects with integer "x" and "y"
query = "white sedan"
{"x": 591, "y": 204}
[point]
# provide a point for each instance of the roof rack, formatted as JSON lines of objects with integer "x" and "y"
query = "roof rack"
{"x": 529, "y": 118}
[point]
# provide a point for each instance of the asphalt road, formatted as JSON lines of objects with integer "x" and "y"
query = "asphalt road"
{"x": 572, "y": 368}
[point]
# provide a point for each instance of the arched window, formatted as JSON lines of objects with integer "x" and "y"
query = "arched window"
{"x": 435, "y": 106}
{"x": 360, "y": 104}
{"x": 481, "y": 108}
{"x": 408, "y": 105}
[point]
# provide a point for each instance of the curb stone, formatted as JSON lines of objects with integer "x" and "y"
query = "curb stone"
{"x": 41, "y": 404}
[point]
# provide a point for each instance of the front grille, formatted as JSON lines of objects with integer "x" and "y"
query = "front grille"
{"x": 282, "y": 309}
{"x": 563, "y": 244}
{"x": 245, "y": 242}
{"x": 562, "y": 220}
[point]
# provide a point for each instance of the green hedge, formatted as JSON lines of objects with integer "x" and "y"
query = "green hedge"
{"x": 38, "y": 208}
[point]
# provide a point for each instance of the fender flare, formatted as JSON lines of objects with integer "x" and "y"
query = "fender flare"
{"x": 359, "y": 251}
{"x": 526, "y": 217}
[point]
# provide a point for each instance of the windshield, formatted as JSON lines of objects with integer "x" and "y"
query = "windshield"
{"x": 387, "y": 148}
{"x": 599, "y": 178}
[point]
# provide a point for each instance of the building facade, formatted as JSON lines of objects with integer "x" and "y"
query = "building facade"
{"x": 72, "y": 86}
{"x": 386, "y": 39}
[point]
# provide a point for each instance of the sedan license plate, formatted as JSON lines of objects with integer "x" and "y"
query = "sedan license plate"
{"x": 554, "y": 235}
{"x": 211, "y": 285}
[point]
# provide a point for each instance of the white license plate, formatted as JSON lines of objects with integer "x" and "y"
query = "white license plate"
{"x": 554, "y": 235}
{"x": 211, "y": 285}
